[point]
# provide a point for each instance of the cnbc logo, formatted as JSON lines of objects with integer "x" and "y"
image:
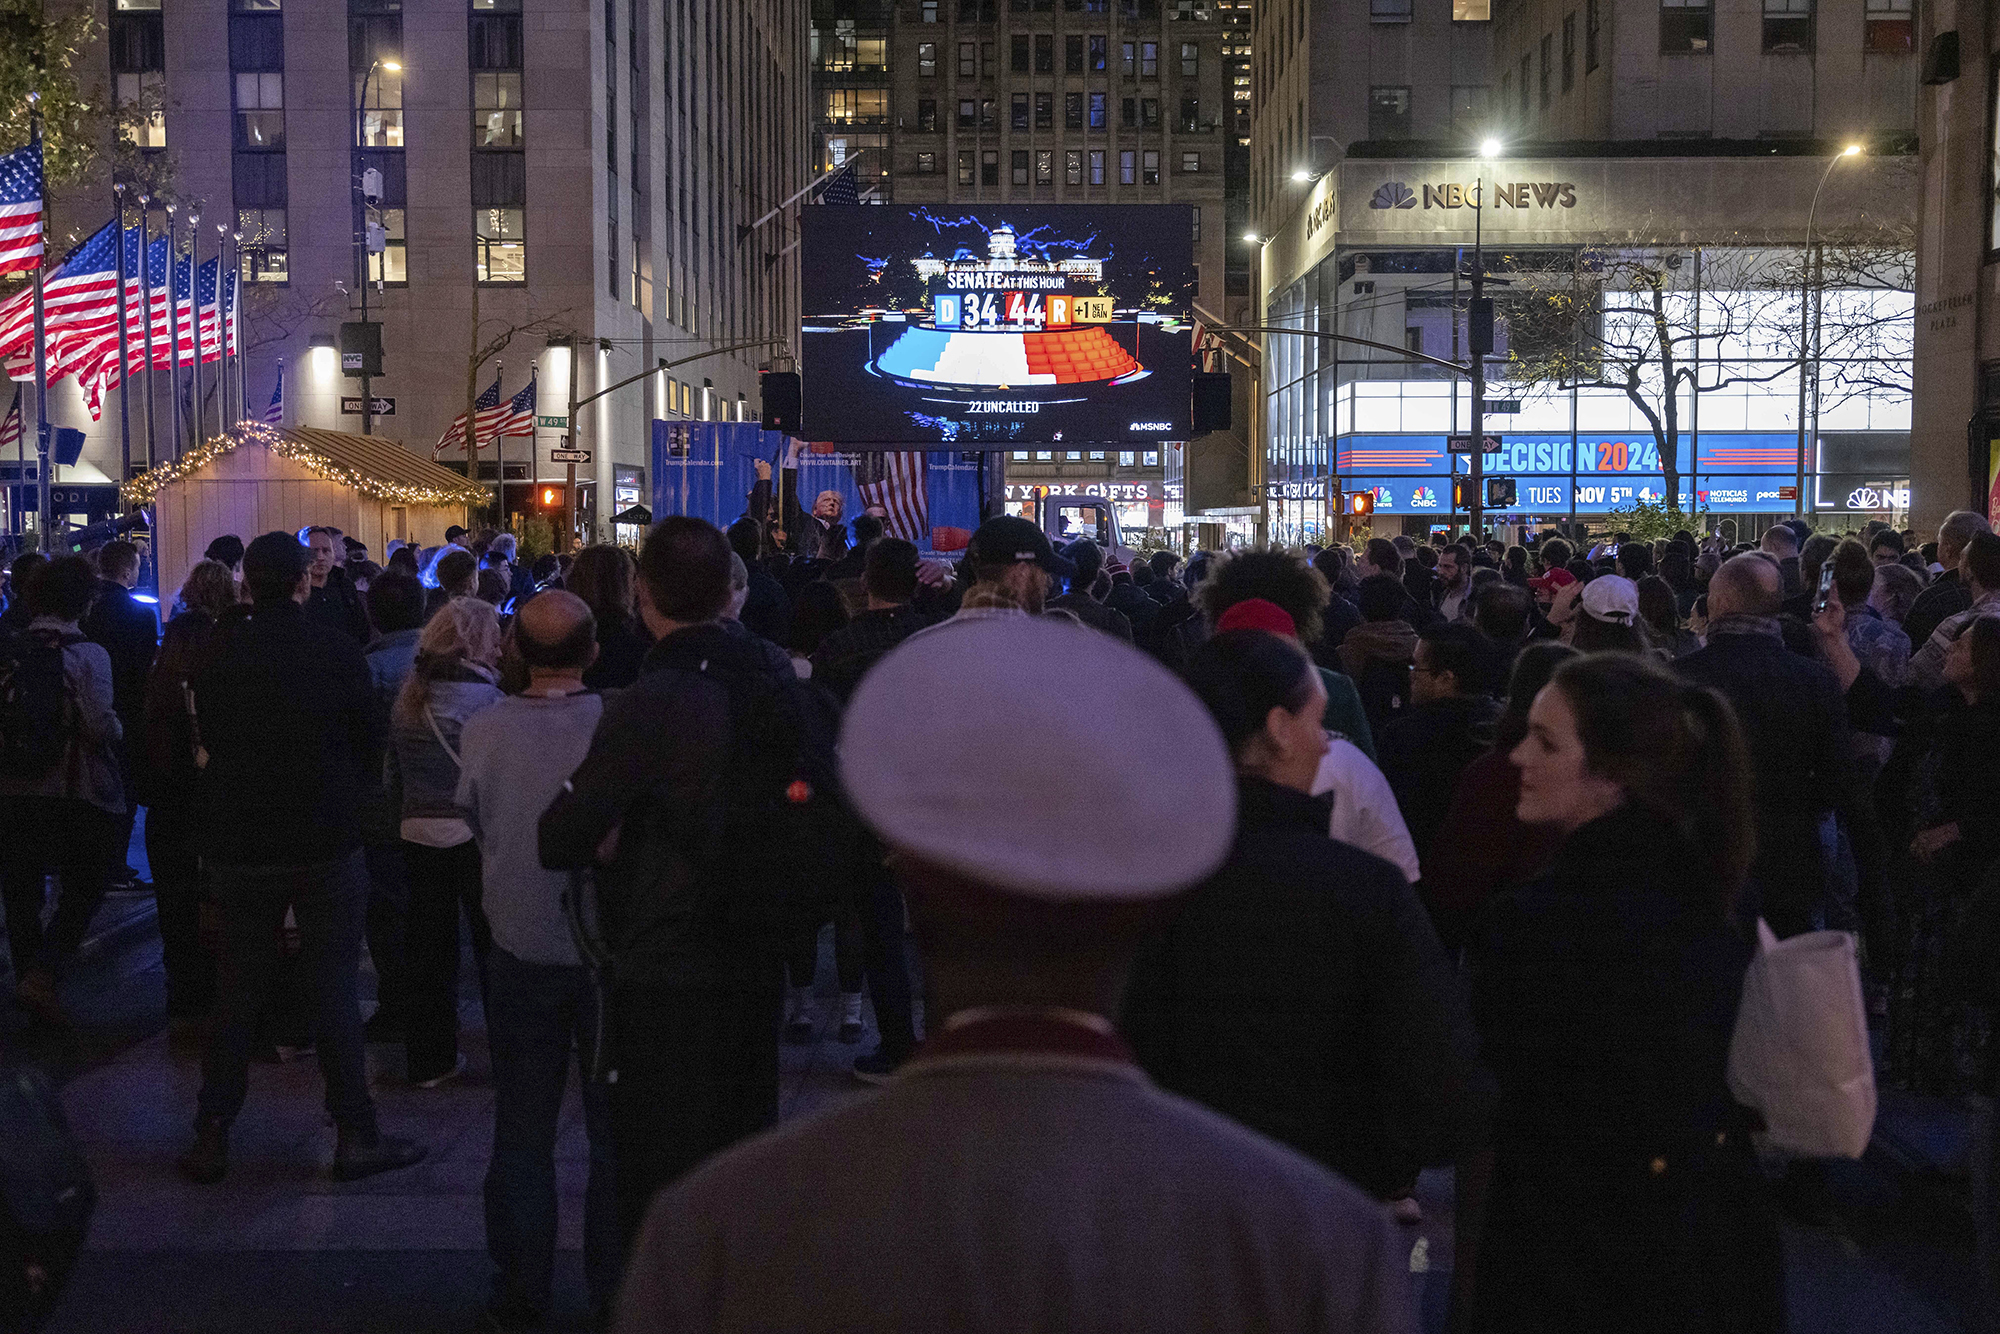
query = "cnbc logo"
{"x": 1424, "y": 498}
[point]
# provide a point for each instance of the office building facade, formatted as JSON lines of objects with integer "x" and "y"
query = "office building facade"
{"x": 556, "y": 169}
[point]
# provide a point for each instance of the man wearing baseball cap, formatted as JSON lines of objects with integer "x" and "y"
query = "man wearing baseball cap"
{"x": 1012, "y": 567}
{"x": 1021, "y": 1172}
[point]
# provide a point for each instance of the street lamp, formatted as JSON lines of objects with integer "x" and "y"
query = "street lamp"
{"x": 1479, "y": 340}
{"x": 361, "y": 236}
{"x": 1809, "y": 280}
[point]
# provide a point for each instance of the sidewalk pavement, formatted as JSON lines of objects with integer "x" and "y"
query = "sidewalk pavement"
{"x": 281, "y": 1247}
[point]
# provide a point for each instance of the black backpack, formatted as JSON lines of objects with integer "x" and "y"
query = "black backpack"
{"x": 37, "y": 715}
{"x": 46, "y": 1198}
{"x": 780, "y": 849}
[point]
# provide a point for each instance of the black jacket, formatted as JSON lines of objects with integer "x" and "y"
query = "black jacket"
{"x": 129, "y": 630}
{"x": 1794, "y": 718}
{"x": 286, "y": 713}
{"x": 621, "y": 652}
{"x": 1946, "y": 596}
{"x": 768, "y": 610}
{"x": 846, "y": 654}
{"x": 659, "y": 749}
{"x": 1302, "y": 992}
{"x": 337, "y": 606}
{"x": 1093, "y": 614}
{"x": 1131, "y": 602}
{"x": 1605, "y": 994}
{"x": 1424, "y": 751}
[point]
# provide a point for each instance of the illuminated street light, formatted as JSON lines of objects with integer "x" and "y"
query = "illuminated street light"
{"x": 1489, "y": 148}
{"x": 1302, "y": 175}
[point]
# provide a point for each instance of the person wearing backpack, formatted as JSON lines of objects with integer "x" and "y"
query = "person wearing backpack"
{"x": 656, "y": 814}
{"x": 58, "y": 779}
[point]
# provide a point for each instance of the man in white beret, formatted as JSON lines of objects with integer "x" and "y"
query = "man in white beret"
{"x": 1020, "y": 1172}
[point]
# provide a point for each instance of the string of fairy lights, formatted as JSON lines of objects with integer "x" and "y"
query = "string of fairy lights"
{"x": 142, "y": 489}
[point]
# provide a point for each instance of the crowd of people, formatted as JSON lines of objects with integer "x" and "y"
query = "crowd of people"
{"x": 1462, "y": 864}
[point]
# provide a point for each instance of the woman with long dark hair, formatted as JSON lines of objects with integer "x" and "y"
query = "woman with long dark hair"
{"x": 607, "y": 580}
{"x": 1624, "y": 1192}
{"x": 1301, "y": 989}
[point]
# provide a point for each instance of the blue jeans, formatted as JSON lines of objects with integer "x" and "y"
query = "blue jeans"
{"x": 535, "y": 1014}
{"x": 330, "y": 900}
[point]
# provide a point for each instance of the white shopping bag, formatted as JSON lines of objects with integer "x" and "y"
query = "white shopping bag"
{"x": 1799, "y": 1055}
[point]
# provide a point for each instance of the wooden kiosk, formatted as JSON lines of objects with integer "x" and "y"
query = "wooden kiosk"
{"x": 256, "y": 478}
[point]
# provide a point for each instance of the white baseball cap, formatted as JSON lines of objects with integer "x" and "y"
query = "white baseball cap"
{"x": 1026, "y": 755}
{"x": 1612, "y": 597}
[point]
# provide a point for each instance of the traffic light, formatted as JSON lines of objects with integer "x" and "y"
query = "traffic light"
{"x": 552, "y": 497}
{"x": 1359, "y": 503}
{"x": 1462, "y": 493}
{"x": 1500, "y": 493}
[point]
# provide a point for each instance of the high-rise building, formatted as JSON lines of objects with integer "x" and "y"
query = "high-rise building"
{"x": 554, "y": 168}
{"x": 1330, "y": 73}
{"x": 980, "y": 102}
{"x": 1752, "y": 165}
{"x": 1956, "y": 430}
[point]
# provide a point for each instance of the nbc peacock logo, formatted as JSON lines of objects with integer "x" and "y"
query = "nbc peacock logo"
{"x": 1393, "y": 194}
{"x": 1384, "y": 497}
{"x": 1424, "y": 498}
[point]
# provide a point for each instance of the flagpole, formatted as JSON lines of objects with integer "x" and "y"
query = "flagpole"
{"x": 146, "y": 314}
{"x": 45, "y": 508}
{"x": 124, "y": 351}
{"x": 194, "y": 304}
{"x": 500, "y": 450}
{"x": 174, "y": 329}
{"x": 222, "y": 276}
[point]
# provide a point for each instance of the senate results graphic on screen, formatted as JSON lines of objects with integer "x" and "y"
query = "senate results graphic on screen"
{"x": 997, "y": 326}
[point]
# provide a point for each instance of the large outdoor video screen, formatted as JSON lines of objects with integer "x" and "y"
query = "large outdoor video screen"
{"x": 994, "y": 326}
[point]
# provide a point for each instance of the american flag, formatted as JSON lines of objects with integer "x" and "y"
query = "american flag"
{"x": 899, "y": 483}
{"x": 185, "y": 307}
{"x": 79, "y": 300}
{"x": 21, "y": 210}
{"x": 489, "y": 412}
{"x": 520, "y": 418}
{"x": 275, "y": 413}
{"x": 11, "y": 428}
{"x": 841, "y": 187}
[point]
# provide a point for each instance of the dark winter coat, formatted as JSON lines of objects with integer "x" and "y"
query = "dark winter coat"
{"x": 1794, "y": 719}
{"x": 658, "y": 752}
{"x": 1422, "y": 755}
{"x": 287, "y": 715}
{"x": 1302, "y": 992}
{"x": 1625, "y": 1195}
{"x": 337, "y": 606}
{"x": 129, "y": 630}
{"x": 622, "y": 644}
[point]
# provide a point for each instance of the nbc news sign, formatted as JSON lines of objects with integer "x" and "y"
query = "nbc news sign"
{"x": 1457, "y": 194}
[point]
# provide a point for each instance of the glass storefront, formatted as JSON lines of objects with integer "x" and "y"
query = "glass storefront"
{"x": 1588, "y": 341}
